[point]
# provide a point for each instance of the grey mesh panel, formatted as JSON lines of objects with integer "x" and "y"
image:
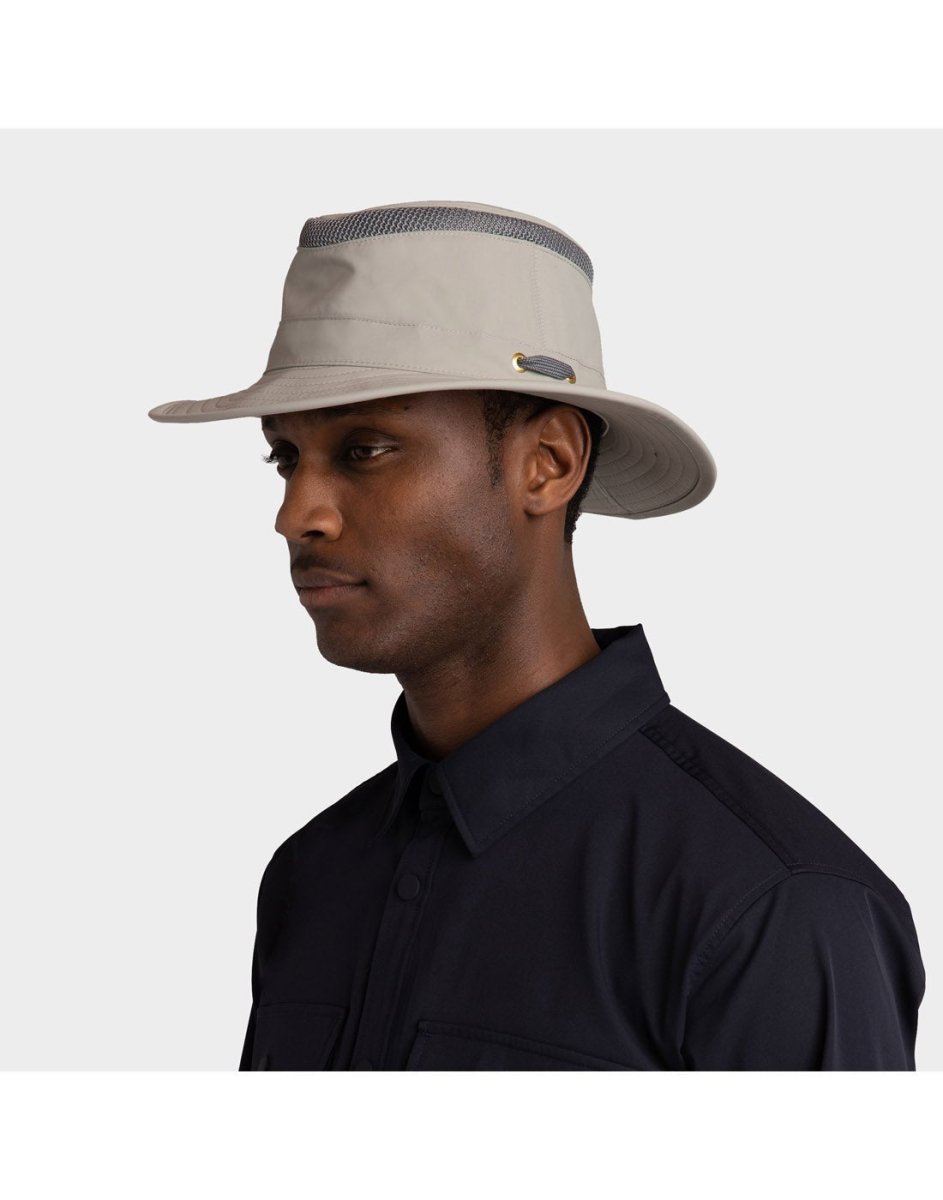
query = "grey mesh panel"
{"x": 328, "y": 231}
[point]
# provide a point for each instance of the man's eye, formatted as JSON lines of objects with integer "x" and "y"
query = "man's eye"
{"x": 277, "y": 457}
{"x": 382, "y": 449}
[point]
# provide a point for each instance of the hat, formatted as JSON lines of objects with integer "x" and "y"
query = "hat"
{"x": 444, "y": 295}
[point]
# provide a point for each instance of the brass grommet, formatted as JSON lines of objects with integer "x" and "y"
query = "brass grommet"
{"x": 571, "y": 379}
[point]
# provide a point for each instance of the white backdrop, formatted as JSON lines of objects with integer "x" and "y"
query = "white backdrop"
{"x": 169, "y": 720}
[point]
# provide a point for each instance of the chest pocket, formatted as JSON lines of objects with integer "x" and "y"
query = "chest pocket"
{"x": 296, "y": 1035}
{"x": 442, "y": 1046}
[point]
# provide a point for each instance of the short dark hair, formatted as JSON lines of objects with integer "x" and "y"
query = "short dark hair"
{"x": 504, "y": 408}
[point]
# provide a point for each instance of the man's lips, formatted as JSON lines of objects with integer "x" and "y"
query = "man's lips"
{"x": 320, "y": 597}
{"x": 319, "y": 579}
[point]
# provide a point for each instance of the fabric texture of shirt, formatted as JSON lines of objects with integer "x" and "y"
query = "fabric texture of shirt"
{"x": 593, "y": 882}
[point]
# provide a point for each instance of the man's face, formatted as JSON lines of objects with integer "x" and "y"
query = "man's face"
{"x": 396, "y": 492}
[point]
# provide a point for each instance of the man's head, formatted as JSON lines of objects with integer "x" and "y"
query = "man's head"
{"x": 455, "y": 508}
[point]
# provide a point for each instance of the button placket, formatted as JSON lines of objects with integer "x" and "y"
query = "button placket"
{"x": 401, "y": 916}
{"x": 432, "y": 808}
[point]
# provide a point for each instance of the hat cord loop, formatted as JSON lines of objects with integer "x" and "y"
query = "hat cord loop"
{"x": 544, "y": 365}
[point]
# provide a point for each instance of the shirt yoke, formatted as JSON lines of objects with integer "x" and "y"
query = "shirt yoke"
{"x": 782, "y": 820}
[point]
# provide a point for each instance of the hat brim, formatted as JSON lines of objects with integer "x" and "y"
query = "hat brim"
{"x": 650, "y": 463}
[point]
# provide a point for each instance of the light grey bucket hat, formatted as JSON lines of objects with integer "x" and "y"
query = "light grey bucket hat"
{"x": 439, "y": 295}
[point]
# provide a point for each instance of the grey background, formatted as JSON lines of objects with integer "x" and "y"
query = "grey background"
{"x": 169, "y": 720}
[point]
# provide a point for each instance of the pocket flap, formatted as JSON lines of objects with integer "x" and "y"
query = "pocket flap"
{"x": 295, "y": 1035}
{"x": 443, "y": 1046}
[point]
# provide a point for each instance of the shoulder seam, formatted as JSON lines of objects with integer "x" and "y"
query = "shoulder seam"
{"x": 696, "y": 971}
{"x": 881, "y": 885}
{"x": 703, "y": 777}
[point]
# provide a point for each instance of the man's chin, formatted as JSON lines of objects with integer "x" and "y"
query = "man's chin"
{"x": 350, "y": 649}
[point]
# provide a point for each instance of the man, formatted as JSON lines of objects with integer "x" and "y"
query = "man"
{"x": 560, "y": 870}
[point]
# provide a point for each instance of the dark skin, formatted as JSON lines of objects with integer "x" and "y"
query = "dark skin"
{"x": 470, "y": 599}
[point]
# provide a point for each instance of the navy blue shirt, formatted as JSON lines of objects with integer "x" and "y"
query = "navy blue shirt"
{"x": 593, "y": 882}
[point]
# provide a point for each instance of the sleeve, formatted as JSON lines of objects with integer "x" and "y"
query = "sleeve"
{"x": 261, "y": 929}
{"x": 245, "y": 1062}
{"x": 819, "y": 973}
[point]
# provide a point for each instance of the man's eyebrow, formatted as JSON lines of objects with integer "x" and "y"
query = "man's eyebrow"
{"x": 341, "y": 410}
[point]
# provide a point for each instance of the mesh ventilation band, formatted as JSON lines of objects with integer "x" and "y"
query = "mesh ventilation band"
{"x": 375, "y": 222}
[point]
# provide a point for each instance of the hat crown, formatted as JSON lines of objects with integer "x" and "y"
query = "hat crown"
{"x": 446, "y": 287}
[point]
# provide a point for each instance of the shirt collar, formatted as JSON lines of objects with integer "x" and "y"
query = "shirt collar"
{"x": 503, "y": 773}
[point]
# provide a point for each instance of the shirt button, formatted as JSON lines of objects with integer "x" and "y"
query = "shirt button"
{"x": 408, "y": 887}
{"x": 363, "y": 1064}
